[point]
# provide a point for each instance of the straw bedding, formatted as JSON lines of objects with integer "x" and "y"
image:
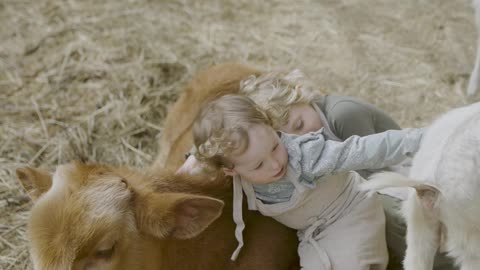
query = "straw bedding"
{"x": 93, "y": 80}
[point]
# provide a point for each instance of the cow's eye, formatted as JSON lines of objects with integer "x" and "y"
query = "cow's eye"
{"x": 105, "y": 254}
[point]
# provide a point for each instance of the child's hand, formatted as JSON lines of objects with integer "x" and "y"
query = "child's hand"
{"x": 190, "y": 166}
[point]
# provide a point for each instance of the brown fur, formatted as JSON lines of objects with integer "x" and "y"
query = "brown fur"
{"x": 142, "y": 215}
{"x": 105, "y": 217}
{"x": 213, "y": 82}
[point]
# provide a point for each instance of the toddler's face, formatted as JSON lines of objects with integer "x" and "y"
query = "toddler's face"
{"x": 264, "y": 161}
{"x": 302, "y": 119}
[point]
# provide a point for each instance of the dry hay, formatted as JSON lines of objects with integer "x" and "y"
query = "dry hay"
{"x": 93, "y": 79}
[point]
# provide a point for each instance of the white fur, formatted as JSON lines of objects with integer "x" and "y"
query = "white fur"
{"x": 473, "y": 83}
{"x": 60, "y": 180}
{"x": 449, "y": 160}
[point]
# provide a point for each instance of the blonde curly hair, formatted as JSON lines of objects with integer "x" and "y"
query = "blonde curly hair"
{"x": 276, "y": 92}
{"x": 221, "y": 129}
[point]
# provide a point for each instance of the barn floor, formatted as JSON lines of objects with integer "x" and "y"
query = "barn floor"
{"x": 94, "y": 79}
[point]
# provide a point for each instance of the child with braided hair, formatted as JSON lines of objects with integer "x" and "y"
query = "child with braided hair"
{"x": 305, "y": 182}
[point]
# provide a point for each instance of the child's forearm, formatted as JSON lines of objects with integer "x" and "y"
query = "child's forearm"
{"x": 369, "y": 152}
{"x": 383, "y": 149}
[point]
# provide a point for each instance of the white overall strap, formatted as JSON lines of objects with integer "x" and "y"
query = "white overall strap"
{"x": 237, "y": 215}
{"x": 250, "y": 194}
{"x": 309, "y": 237}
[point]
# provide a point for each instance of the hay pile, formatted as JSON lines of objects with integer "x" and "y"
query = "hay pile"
{"x": 94, "y": 79}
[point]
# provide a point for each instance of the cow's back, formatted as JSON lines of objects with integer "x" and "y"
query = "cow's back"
{"x": 442, "y": 136}
{"x": 268, "y": 245}
{"x": 212, "y": 82}
{"x": 449, "y": 156}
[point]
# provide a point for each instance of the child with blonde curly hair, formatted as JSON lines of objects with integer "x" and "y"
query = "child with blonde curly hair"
{"x": 297, "y": 107}
{"x": 304, "y": 182}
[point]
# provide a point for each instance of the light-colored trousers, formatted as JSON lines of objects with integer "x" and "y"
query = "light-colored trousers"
{"x": 354, "y": 242}
{"x": 339, "y": 226}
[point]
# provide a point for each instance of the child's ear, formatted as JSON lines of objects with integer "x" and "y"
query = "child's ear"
{"x": 229, "y": 171}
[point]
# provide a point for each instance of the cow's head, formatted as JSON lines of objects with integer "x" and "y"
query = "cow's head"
{"x": 94, "y": 216}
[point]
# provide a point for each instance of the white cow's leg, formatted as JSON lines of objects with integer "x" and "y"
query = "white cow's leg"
{"x": 423, "y": 235}
{"x": 475, "y": 75}
{"x": 473, "y": 83}
{"x": 470, "y": 264}
{"x": 467, "y": 250}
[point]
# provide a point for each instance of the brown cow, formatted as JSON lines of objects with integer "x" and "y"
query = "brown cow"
{"x": 211, "y": 83}
{"x": 104, "y": 217}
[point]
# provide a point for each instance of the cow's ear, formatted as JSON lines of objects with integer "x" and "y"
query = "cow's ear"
{"x": 177, "y": 214}
{"x": 428, "y": 195}
{"x": 34, "y": 181}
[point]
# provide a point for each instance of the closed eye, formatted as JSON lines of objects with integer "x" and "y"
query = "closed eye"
{"x": 259, "y": 166}
{"x": 275, "y": 147}
{"x": 105, "y": 254}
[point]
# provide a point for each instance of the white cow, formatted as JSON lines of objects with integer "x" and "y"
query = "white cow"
{"x": 445, "y": 209}
{"x": 474, "y": 81}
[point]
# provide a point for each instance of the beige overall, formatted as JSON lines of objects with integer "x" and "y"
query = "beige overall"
{"x": 339, "y": 227}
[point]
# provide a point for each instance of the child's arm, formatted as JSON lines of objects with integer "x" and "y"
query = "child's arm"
{"x": 351, "y": 116}
{"x": 321, "y": 157}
